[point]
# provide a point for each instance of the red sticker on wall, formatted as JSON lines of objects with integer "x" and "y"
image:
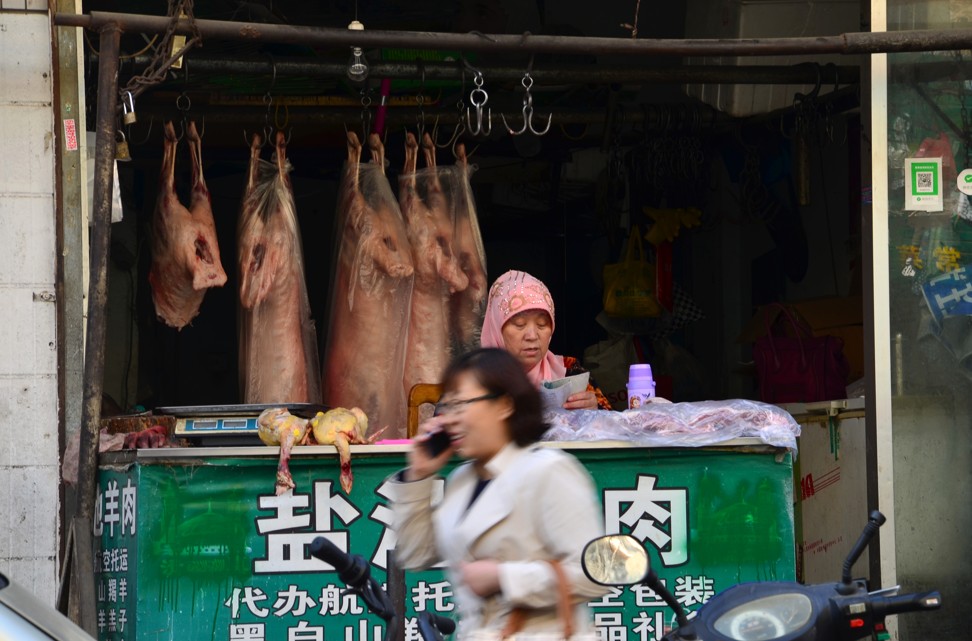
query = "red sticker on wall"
{"x": 70, "y": 135}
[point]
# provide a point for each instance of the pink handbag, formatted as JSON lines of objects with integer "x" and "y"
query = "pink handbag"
{"x": 800, "y": 369}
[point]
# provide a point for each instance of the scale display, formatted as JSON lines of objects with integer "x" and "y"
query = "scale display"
{"x": 208, "y": 426}
{"x": 220, "y": 422}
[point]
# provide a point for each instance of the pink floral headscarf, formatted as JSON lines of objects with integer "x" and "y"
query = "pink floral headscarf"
{"x": 512, "y": 293}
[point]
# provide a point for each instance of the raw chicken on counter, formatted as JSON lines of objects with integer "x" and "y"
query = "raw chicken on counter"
{"x": 277, "y": 426}
{"x": 278, "y": 339}
{"x": 427, "y": 206}
{"x": 467, "y": 307}
{"x": 342, "y": 428}
{"x": 339, "y": 427}
{"x": 368, "y": 321}
{"x": 185, "y": 253}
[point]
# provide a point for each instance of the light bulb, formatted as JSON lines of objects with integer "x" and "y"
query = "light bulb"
{"x": 357, "y": 65}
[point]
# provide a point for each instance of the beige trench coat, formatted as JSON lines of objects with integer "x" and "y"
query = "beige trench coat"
{"x": 540, "y": 505}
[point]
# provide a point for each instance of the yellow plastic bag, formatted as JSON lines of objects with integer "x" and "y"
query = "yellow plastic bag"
{"x": 629, "y": 286}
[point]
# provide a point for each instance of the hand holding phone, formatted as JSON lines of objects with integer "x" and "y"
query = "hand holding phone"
{"x": 437, "y": 443}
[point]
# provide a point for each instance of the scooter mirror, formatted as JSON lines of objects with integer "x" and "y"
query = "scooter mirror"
{"x": 616, "y": 559}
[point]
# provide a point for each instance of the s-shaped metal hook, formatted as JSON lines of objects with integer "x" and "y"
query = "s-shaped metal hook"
{"x": 478, "y": 97}
{"x": 527, "y": 82}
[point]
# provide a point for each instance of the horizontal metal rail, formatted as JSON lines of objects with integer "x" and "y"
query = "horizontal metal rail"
{"x": 805, "y": 74}
{"x": 844, "y": 44}
{"x": 688, "y": 119}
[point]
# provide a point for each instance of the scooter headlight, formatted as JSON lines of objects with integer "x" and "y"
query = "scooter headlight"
{"x": 765, "y": 619}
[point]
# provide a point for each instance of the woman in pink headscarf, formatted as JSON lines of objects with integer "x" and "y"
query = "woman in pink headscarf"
{"x": 520, "y": 318}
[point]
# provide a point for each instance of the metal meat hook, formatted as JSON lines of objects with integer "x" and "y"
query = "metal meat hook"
{"x": 366, "y": 116}
{"x": 460, "y": 125}
{"x": 456, "y": 133}
{"x": 479, "y": 91}
{"x": 527, "y": 112}
{"x": 183, "y": 104}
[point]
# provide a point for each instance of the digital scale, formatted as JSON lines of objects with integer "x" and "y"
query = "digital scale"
{"x": 231, "y": 425}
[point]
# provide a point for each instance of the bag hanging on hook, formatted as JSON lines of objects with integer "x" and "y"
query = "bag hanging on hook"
{"x": 629, "y": 286}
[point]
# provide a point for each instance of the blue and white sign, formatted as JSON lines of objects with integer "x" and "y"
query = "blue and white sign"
{"x": 949, "y": 294}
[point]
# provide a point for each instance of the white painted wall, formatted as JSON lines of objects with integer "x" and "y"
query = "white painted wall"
{"x": 29, "y": 473}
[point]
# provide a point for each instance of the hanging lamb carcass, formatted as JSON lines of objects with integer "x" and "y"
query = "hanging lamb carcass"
{"x": 468, "y": 306}
{"x": 426, "y": 197}
{"x": 278, "y": 339}
{"x": 185, "y": 253}
{"x": 370, "y": 295}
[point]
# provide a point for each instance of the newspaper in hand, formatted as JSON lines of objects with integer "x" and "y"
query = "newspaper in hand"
{"x": 556, "y": 392}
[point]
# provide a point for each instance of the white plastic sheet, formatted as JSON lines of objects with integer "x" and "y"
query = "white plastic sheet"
{"x": 678, "y": 424}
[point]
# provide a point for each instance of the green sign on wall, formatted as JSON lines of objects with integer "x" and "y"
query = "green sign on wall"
{"x": 201, "y": 549}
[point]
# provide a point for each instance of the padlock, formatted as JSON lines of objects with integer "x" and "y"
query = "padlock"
{"x": 128, "y": 109}
{"x": 121, "y": 149}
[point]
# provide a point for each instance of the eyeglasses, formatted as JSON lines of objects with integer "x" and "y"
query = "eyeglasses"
{"x": 451, "y": 407}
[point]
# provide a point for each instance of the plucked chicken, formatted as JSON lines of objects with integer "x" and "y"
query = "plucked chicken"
{"x": 277, "y": 426}
{"x": 341, "y": 428}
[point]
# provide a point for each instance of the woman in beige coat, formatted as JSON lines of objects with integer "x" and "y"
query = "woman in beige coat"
{"x": 506, "y": 512}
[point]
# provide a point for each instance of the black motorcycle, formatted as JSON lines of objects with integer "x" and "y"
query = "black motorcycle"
{"x": 766, "y": 611}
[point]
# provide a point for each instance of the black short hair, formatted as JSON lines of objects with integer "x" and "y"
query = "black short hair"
{"x": 499, "y": 372}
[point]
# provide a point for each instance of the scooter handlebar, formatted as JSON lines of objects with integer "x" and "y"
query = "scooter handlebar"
{"x": 432, "y": 626}
{"x": 355, "y": 572}
{"x": 898, "y": 604}
{"x": 352, "y": 569}
{"x": 444, "y": 624}
{"x": 326, "y": 551}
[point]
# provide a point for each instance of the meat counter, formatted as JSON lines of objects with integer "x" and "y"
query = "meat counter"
{"x": 194, "y": 544}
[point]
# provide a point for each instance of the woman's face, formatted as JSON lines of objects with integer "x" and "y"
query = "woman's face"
{"x": 527, "y": 336}
{"x": 478, "y": 428}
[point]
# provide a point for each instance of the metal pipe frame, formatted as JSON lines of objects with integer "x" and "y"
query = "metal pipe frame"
{"x": 648, "y": 118}
{"x": 805, "y": 73}
{"x": 94, "y": 352}
{"x": 844, "y": 44}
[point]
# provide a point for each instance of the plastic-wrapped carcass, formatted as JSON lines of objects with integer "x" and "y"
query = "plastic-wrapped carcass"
{"x": 665, "y": 424}
{"x": 278, "y": 338}
{"x": 370, "y": 295}
{"x": 427, "y": 199}
{"x": 467, "y": 307}
{"x": 185, "y": 253}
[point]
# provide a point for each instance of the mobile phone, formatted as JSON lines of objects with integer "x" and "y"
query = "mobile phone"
{"x": 437, "y": 443}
